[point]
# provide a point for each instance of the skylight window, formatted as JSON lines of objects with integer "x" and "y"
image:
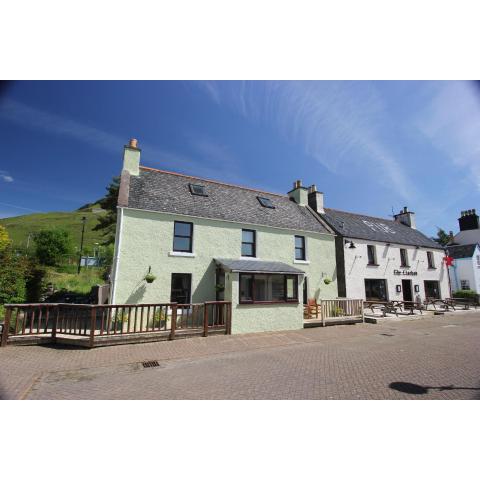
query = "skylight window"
{"x": 265, "y": 202}
{"x": 197, "y": 190}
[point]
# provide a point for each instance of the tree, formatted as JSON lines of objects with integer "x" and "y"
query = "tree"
{"x": 4, "y": 239}
{"x": 51, "y": 245}
{"x": 108, "y": 222}
{"x": 443, "y": 238}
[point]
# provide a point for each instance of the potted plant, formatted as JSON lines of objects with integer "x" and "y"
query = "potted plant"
{"x": 219, "y": 287}
{"x": 150, "y": 277}
{"x": 327, "y": 280}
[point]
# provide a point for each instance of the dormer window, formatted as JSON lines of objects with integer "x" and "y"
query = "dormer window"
{"x": 196, "y": 189}
{"x": 265, "y": 202}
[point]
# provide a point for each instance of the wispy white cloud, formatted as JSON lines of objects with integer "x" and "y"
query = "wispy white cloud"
{"x": 209, "y": 158}
{"x": 339, "y": 124}
{"x": 18, "y": 207}
{"x": 451, "y": 121}
{"x": 5, "y": 176}
{"x": 37, "y": 119}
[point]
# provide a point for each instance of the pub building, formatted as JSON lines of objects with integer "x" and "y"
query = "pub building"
{"x": 384, "y": 260}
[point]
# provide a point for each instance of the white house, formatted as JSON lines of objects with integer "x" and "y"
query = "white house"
{"x": 465, "y": 271}
{"x": 382, "y": 259}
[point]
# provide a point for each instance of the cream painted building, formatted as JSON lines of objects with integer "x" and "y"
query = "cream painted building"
{"x": 205, "y": 240}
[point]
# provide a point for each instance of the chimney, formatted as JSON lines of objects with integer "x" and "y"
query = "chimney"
{"x": 299, "y": 194}
{"x": 315, "y": 199}
{"x": 131, "y": 157}
{"x": 468, "y": 220}
{"x": 406, "y": 217}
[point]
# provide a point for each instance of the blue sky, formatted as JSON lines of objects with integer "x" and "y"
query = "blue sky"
{"x": 369, "y": 146}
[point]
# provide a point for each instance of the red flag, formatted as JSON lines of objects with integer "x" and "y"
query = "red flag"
{"x": 448, "y": 261}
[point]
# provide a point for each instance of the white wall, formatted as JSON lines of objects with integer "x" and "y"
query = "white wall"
{"x": 466, "y": 269}
{"x": 388, "y": 259}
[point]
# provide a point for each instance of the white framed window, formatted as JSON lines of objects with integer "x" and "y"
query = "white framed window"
{"x": 465, "y": 284}
{"x": 478, "y": 260}
{"x": 300, "y": 249}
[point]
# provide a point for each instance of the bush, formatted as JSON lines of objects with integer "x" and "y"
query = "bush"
{"x": 14, "y": 273}
{"x": 465, "y": 294}
{"x": 5, "y": 241}
{"x": 52, "y": 245}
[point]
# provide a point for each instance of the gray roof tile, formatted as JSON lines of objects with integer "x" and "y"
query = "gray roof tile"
{"x": 461, "y": 251}
{"x": 354, "y": 225}
{"x": 169, "y": 192}
{"x": 258, "y": 266}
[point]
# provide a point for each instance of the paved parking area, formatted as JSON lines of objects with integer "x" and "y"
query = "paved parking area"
{"x": 428, "y": 358}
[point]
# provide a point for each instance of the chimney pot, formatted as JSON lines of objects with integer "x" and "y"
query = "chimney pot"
{"x": 297, "y": 184}
{"x": 133, "y": 143}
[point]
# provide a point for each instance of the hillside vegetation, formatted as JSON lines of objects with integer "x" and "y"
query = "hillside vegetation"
{"x": 19, "y": 228}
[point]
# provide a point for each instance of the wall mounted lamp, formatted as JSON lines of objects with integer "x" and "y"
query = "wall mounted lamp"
{"x": 352, "y": 245}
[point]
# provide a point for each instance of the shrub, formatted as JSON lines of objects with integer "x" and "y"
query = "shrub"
{"x": 5, "y": 241}
{"x": 465, "y": 294}
{"x": 51, "y": 245}
{"x": 14, "y": 272}
{"x": 338, "y": 312}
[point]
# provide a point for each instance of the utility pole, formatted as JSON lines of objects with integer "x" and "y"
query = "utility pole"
{"x": 84, "y": 220}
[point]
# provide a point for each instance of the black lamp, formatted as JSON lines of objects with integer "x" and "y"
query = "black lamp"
{"x": 352, "y": 245}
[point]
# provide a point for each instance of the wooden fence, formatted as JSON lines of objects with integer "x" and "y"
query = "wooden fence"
{"x": 94, "y": 321}
{"x": 341, "y": 309}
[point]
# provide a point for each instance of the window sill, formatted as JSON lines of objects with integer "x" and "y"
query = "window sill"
{"x": 181, "y": 254}
{"x": 248, "y": 258}
{"x": 373, "y": 265}
{"x": 432, "y": 268}
{"x": 302, "y": 262}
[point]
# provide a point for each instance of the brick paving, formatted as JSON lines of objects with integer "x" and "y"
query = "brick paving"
{"x": 359, "y": 361}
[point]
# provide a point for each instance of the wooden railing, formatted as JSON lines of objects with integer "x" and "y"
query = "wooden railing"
{"x": 95, "y": 321}
{"x": 337, "y": 309}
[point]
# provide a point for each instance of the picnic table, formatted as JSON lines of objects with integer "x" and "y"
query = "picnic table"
{"x": 434, "y": 302}
{"x": 384, "y": 307}
{"x": 466, "y": 303}
{"x": 408, "y": 305}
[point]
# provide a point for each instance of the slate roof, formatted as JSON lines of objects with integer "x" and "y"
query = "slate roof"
{"x": 258, "y": 266}
{"x": 364, "y": 227}
{"x": 169, "y": 192}
{"x": 461, "y": 251}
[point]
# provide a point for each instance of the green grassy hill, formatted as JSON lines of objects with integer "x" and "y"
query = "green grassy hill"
{"x": 19, "y": 228}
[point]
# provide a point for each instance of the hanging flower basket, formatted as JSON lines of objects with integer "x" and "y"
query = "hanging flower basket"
{"x": 327, "y": 281}
{"x": 150, "y": 277}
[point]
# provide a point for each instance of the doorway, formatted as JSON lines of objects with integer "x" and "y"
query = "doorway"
{"x": 407, "y": 290}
